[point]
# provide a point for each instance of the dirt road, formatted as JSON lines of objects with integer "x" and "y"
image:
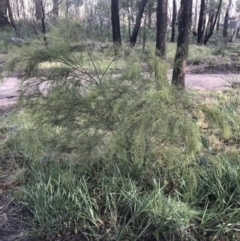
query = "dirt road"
{"x": 9, "y": 88}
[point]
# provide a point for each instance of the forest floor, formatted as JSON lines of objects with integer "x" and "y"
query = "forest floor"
{"x": 198, "y": 78}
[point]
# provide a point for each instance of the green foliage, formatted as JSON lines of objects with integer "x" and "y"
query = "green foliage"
{"x": 5, "y": 45}
{"x": 122, "y": 113}
{"x": 224, "y": 116}
{"x": 114, "y": 152}
{"x": 101, "y": 207}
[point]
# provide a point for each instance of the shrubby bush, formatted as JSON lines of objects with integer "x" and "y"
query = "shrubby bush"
{"x": 117, "y": 153}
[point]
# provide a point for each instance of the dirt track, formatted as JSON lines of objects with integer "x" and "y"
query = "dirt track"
{"x": 9, "y": 88}
{"x": 8, "y": 91}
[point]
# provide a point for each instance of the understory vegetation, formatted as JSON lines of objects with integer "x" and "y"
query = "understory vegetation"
{"x": 104, "y": 147}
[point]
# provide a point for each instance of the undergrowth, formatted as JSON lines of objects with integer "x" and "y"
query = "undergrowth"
{"x": 119, "y": 156}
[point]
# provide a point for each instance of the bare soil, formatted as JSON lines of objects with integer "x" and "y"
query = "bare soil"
{"x": 197, "y": 78}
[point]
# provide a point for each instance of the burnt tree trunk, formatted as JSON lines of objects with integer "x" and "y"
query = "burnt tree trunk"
{"x": 212, "y": 26}
{"x": 184, "y": 30}
{"x": 162, "y": 13}
{"x": 201, "y": 22}
{"x": 136, "y": 28}
{"x": 3, "y": 14}
{"x": 116, "y": 35}
{"x": 174, "y": 18}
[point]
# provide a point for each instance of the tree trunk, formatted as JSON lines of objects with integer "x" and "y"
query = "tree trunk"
{"x": 38, "y": 9}
{"x": 201, "y": 22}
{"x": 55, "y": 9}
{"x": 162, "y": 14}
{"x": 211, "y": 15}
{"x": 196, "y": 16}
{"x": 136, "y": 28}
{"x": 184, "y": 30}
{"x": 150, "y": 12}
{"x": 218, "y": 22}
{"x": 23, "y": 9}
{"x": 144, "y": 31}
{"x": 174, "y": 18}
{"x": 129, "y": 22}
{"x": 226, "y": 20}
{"x": 11, "y": 17}
{"x": 235, "y": 30}
{"x": 212, "y": 26}
{"x": 3, "y": 14}
{"x": 18, "y": 9}
{"x": 116, "y": 35}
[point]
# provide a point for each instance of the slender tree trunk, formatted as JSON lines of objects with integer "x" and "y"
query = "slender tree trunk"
{"x": 235, "y": 30}
{"x": 218, "y": 21}
{"x": 38, "y": 9}
{"x": 174, "y": 18}
{"x": 184, "y": 30}
{"x": 213, "y": 24}
{"x": 136, "y": 28}
{"x": 115, "y": 22}
{"x": 55, "y": 9}
{"x": 18, "y": 10}
{"x": 196, "y": 16}
{"x": 3, "y": 14}
{"x": 129, "y": 23}
{"x": 150, "y": 11}
{"x": 11, "y": 17}
{"x": 144, "y": 31}
{"x": 201, "y": 22}
{"x": 162, "y": 14}
{"x": 40, "y": 16}
{"x": 226, "y": 20}
{"x": 211, "y": 15}
{"x": 23, "y": 9}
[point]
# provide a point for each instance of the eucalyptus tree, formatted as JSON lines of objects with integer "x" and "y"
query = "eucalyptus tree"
{"x": 3, "y": 14}
{"x": 162, "y": 18}
{"x": 237, "y": 26}
{"x": 128, "y": 8}
{"x": 184, "y": 30}
{"x": 201, "y": 22}
{"x": 195, "y": 16}
{"x": 215, "y": 8}
{"x": 136, "y": 28}
{"x": 150, "y": 11}
{"x": 55, "y": 9}
{"x": 174, "y": 18}
{"x": 102, "y": 10}
{"x": 70, "y": 3}
{"x": 236, "y": 30}
{"x": 226, "y": 19}
{"x": 11, "y": 17}
{"x": 39, "y": 9}
{"x": 116, "y": 34}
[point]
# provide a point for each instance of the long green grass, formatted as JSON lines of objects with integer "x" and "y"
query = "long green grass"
{"x": 120, "y": 156}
